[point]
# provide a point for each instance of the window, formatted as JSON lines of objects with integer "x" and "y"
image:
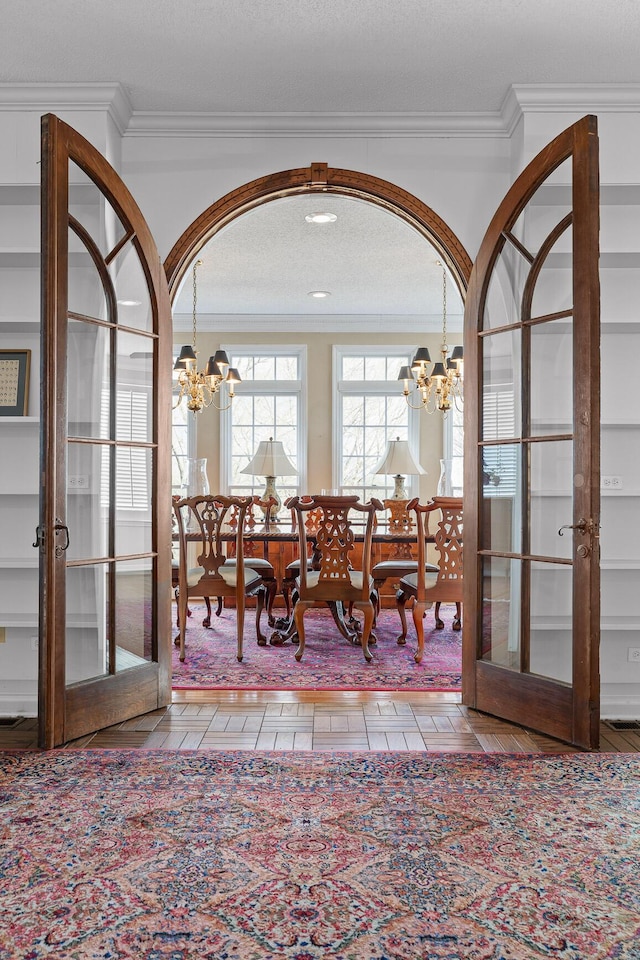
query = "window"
{"x": 132, "y": 464}
{"x": 270, "y": 402}
{"x": 453, "y": 447}
{"x": 182, "y": 444}
{"x": 370, "y": 410}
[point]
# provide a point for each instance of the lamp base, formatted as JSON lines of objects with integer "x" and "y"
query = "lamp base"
{"x": 271, "y": 513}
{"x": 399, "y": 492}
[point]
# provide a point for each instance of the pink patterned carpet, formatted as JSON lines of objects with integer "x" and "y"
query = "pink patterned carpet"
{"x": 329, "y": 661}
{"x": 151, "y": 855}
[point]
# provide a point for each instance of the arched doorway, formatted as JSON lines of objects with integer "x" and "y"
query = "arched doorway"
{"x": 317, "y": 179}
{"x": 350, "y": 188}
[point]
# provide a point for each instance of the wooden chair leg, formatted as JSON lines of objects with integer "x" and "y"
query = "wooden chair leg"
{"x": 271, "y": 589}
{"x": 401, "y": 600}
{"x": 260, "y": 605}
{"x": 286, "y": 596}
{"x": 239, "y": 626}
{"x": 418, "y": 612}
{"x": 457, "y": 622}
{"x": 182, "y": 615}
{"x": 368, "y": 612}
{"x": 207, "y": 620}
{"x": 439, "y": 622}
{"x": 298, "y": 615}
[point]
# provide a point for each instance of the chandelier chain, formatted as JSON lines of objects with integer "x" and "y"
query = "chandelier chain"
{"x": 195, "y": 301}
{"x": 444, "y": 310}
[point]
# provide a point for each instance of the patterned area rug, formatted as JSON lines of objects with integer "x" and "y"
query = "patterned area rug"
{"x": 161, "y": 856}
{"x": 329, "y": 661}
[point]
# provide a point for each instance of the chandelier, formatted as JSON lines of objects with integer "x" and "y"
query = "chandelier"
{"x": 443, "y": 385}
{"x": 201, "y": 387}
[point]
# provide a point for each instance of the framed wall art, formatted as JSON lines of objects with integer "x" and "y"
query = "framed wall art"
{"x": 14, "y": 382}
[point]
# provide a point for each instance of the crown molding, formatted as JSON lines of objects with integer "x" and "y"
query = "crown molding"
{"x": 584, "y": 97}
{"x": 52, "y": 97}
{"x": 579, "y": 98}
{"x": 520, "y": 99}
{"x": 317, "y": 323}
{"x": 312, "y": 125}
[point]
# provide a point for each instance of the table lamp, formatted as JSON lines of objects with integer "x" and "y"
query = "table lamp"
{"x": 398, "y": 462}
{"x": 270, "y": 461}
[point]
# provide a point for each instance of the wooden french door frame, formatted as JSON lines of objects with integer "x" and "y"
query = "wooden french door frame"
{"x": 69, "y": 711}
{"x": 568, "y": 711}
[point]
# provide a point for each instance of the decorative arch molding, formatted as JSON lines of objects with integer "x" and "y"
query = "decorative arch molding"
{"x": 318, "y": 178}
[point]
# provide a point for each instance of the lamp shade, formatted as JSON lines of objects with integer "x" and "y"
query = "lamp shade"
{"x": 398, "y": 459}
{"x": 270, "y": 460}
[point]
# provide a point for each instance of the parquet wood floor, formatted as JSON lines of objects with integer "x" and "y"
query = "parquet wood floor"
{"x": 318, "y": 720}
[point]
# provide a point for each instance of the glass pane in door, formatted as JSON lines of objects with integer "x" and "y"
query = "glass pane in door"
{"x": 132, "y": 292}
{"x": 551, "y": 498}
{"x": 551, "y": 621}
{"x": 88, "y": 481}
{"x": 88, "y": 371}
{"x": 87, "y": 646}
{"x": 551, "y": 386}
{"x": 133, "y": 612}
{"x": 501, "y": 591}
{"x": 89, "y": 206}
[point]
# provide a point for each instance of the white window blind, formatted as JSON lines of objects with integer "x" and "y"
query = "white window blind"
{"x": 500, "y": 463}
{"x": 132, "y": 465}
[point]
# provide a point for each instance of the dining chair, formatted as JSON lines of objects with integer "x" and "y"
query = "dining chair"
{"x": 403, "y": 562}
{"x": 261, "y": 565}
{"x": 333, "y": 579}
{"x": 426, "y": 587}
{"x": 202, "y": 523}
{"x": 292, "y": 569}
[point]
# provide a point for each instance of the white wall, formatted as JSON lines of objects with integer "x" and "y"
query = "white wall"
{"x": 463, "y": 178}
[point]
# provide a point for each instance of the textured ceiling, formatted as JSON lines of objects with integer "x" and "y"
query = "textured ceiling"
{"x": 320, "y": 55}
{"x": 372, "y": 263}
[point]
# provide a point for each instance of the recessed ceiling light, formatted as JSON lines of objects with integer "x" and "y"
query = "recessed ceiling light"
{"x": 321, "y": 217}
{"x": 129, "y": 303}
{"x": 319, "y": 294}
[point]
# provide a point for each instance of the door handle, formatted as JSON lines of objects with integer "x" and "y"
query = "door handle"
{"x": 39, "y": 541}
{"x": 57, "y": 529}
{"x": 584, "y": 526}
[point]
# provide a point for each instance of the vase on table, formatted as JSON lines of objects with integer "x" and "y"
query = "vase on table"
{"x": 197, "y": 479}
{"x": 197, "y": 486}
{"x": 445, "y": 482}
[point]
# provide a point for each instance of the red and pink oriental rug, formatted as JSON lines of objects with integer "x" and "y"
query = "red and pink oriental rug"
{"x": 116, "y": 855}
{"x": 329, "y": 661}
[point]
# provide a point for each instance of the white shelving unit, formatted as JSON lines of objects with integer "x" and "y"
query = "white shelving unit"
{"x": 19, "y": 443}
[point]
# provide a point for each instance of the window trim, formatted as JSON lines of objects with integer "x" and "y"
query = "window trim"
{"x": 342, "y": 388}
{"x": 271, "y": 388}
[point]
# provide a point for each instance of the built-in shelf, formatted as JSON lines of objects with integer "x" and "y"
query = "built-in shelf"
{"x": 20, "y": 562}
{"x": 630, "y": 492}
{"x": 619, "y": 564}
{"x": 24, "y": 620}
{"x": 543, "y": 624}
{"x": 25, "y": 421}
{"x": 26, "y": 327}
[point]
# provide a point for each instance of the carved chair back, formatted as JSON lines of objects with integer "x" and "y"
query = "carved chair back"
{"x": 333, "y": 538}
{"x": 448, "y": 544}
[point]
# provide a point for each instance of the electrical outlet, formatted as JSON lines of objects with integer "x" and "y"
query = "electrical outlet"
{"x": 633, "y": 654}
{"x": 78, "y": 482}
{"x": 34, "y": 643}
{"x": 611, "y": 483}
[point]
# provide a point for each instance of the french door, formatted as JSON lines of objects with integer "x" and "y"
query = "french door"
{"x": 105, "y": 529}
{"x": 532, "y": 455}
